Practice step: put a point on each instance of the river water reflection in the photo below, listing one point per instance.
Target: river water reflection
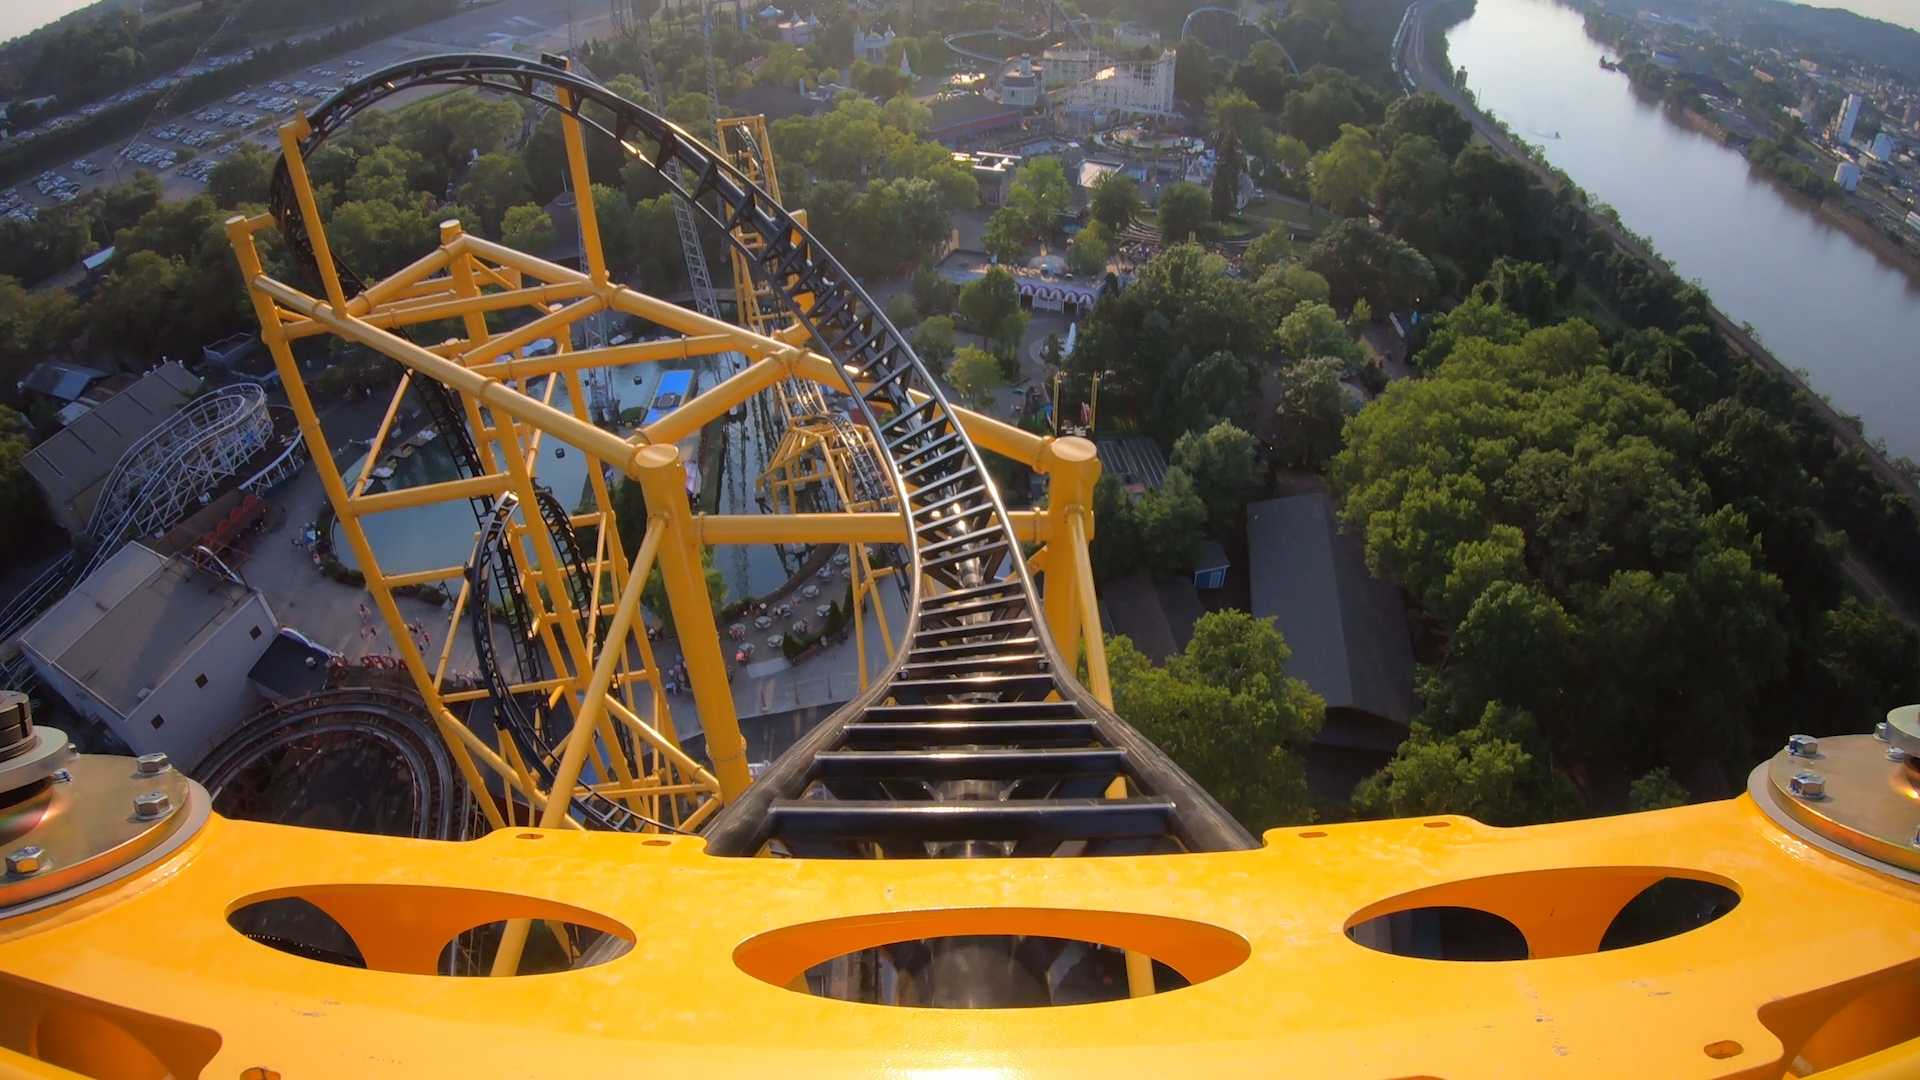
(1818, 299)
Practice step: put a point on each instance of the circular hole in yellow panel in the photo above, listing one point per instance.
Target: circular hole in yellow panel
(990, 958)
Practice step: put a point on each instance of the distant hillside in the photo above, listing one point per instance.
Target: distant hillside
(1775, 23)
(1778, 23)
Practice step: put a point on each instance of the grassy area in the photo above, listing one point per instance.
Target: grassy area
(1285, 212)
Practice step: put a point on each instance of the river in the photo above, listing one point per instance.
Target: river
(1814, 296)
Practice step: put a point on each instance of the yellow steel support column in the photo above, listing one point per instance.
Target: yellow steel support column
(593, 707)
(1072, 468)
(663, 479)
(291, 133)
(319, 449)
(582, 189)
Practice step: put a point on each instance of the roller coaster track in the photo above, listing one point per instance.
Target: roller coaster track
(1186, 29)
(394, 721)
(976, 740)
(156, 482)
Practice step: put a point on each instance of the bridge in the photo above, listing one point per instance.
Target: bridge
(975, 830)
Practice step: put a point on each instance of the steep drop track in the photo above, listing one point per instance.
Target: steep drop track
(977, 740)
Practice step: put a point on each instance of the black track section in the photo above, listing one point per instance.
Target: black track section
(956, 749)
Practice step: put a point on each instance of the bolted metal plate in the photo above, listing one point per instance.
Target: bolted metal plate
(1903, 729)
(1867, 803)
(43, 752)
(86, 826)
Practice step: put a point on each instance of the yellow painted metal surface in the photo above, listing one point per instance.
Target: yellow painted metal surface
(1819, 962)
(1816, 971)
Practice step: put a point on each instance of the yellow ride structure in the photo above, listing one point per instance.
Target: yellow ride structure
(969, 831)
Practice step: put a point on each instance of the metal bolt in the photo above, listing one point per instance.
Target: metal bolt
(1883, 731)
(1896, 755)
(151, 805)
(1808, 785)
(1803, 745)
(28, 860)
(151, 764)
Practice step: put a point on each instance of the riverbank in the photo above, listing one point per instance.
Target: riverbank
(1845, 429)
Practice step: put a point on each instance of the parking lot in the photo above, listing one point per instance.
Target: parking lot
(184, 149)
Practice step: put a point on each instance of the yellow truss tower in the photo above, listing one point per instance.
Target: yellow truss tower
(976, 831)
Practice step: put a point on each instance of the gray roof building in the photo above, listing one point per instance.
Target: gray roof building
(60, 381)
(155, 649)
(1157, 615)
(1347, 628)
(70, 466)
(1135, 461)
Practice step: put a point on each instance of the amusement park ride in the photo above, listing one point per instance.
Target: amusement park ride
(975, 830)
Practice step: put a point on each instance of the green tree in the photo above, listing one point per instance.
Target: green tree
(19, 498)
(1429, 116)
(1311, 410)
(975, 374)
(1313, 329)
(1359, 260)
(1173, 524)
(692, 110)
(1224, 462)
(1317, 115)
(1287, 286)
(1416, 178)
(1184, 211)
(495, 182)
(1225, 710)
(1192, 72)
(933, 339)
(34, 323)
(991, 306)
(1346, 173)
(1091, 249)
(1116, 201)
(527, 228)
(1269, 249)
(908, 115)
(1870, 660)
(614, 213)
(901, 312)
(1656, 790)
(1039, 194)
(1485, 772)
(1005, 237)
(243, 177)
(1231, 111)
(1226, 178)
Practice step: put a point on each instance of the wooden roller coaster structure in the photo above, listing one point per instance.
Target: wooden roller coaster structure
(975, 829)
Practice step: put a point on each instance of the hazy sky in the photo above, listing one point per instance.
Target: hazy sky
(20, 16)
(1902, 12)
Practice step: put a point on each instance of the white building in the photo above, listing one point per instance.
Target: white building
(1842, 130)
(157, 650)
(873, 48)
(1114, 89)
(1882, 147)
(1847, 176)
(1022, 86)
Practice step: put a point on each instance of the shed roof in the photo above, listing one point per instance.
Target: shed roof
(1347, 628)
(131, 622)
(60, 381)
(1133, 460)
(72, 463)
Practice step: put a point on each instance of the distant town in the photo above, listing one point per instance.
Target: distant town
(1824, 100)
